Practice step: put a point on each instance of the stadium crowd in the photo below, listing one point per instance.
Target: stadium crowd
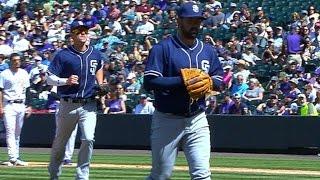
(271, 67)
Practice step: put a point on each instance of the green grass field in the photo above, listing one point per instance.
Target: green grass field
(256, 166)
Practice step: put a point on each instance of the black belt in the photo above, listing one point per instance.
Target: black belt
(18, 101)
(79, 100)
(188, 114)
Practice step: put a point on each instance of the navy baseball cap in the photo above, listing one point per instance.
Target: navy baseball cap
(190, 10)
(77, 24)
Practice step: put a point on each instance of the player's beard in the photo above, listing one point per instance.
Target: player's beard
(191, 33)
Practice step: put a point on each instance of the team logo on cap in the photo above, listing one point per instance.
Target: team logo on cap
(195, 8)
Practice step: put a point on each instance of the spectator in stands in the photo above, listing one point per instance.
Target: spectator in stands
(270, 107)
(212, 4)
(241, 66)
(235, 22)
(259, 16)
(273, 85)
(295, 20)
(245, 14)
(145, 27)
(227, 76)
(218, 17)
(254, 92)
(99, 13)
(92, 22)
(171, 21)
(294, 90)
(5, 49)
(305, 108)
(208, 21)
(249, 56)
(114, 12)
(144, 8)
(238, 107)
(38, 67)
(269, 55)
(129, 13)
(224, 107)
(21, 43)
(144, 106)
(231, 12)
(161, 4)
(115, 105)
(116, 27)
(313, 13)
(132, 86)
(278, 39)
(56, 32)
(304, 18)
(156, 18)
(304, 31)
(294, 42)
(240, 86)
(308, 50)
(212, 107)
(311, 93)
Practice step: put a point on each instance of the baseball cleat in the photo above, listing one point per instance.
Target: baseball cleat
(67, 162)
(18, 162)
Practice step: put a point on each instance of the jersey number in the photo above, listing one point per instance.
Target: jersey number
(93, 66)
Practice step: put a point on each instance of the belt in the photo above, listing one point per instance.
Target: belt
(188, 114)
(18, 101)
(79, 100)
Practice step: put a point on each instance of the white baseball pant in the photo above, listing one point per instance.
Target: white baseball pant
(13, 121)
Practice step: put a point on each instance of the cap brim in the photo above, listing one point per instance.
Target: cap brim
(80, 27)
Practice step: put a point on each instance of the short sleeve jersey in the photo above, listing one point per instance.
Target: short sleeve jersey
(14, 84)
(69, 62)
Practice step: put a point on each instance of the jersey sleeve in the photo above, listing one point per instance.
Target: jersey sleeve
(216, 70)
(101, 61)
(56, 65)
(155, 62)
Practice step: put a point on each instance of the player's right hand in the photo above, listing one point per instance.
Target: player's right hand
(73, 79)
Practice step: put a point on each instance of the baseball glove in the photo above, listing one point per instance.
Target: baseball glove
(197, 82)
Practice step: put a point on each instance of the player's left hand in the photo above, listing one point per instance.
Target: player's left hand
(197, 82)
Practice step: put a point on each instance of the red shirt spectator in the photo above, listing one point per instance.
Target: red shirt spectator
(144, 8)
(114, 12)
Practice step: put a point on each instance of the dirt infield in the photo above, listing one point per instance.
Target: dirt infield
(185, 168)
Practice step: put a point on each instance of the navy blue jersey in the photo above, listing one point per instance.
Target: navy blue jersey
(69, 62)
(162, 73)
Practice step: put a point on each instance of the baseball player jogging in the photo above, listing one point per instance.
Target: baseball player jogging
(75, 70)
(181, 70)
(14, 83)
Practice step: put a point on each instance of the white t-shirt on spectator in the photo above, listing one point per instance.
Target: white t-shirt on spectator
(144, 109)
(21, 45)
(6, 50)
(146, 28)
